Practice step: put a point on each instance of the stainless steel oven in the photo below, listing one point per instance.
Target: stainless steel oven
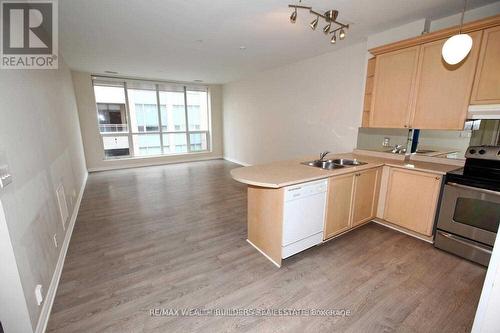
(469, 214)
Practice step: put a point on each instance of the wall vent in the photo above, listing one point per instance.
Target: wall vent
(63, 207)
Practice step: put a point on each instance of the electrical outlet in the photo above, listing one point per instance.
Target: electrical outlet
(39, 294)
(55, 241)
(386, 142)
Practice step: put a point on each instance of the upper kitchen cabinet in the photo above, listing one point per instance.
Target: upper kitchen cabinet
(442, 91)
(395, 74)
(415, 88)
(487, 82)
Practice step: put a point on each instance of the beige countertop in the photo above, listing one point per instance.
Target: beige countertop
(285, 173)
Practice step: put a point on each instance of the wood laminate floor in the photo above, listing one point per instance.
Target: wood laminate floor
(173, 237)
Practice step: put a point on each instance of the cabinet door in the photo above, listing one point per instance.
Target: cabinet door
(443, 91)
(365, 195)
(338, 209)
(412, 199)
(487, 82)
(395, 74)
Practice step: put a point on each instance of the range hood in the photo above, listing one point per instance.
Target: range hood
(487, 111)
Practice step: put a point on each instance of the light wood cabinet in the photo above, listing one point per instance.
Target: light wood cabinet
(352, 200)
(366, 189)
(370, 73)
(394, 84)
(338, 209)
(487, 82)
(443, 91)
(413, 87)
(411, 199)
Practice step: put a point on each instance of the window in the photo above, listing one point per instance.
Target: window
(140, 118)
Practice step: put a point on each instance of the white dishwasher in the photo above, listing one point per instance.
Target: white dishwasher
(304, 216)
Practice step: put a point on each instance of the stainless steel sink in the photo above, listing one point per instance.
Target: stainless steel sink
(347, 162)
(333, 164)
(327, 165)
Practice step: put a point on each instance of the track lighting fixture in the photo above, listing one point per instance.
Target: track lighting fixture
(314, 23)
(341, 34)
(327, 27)
(330, 17)
(293, 17)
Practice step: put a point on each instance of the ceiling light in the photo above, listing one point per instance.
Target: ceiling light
(330, 18)
(457, 47)
(341, 34)
(314, 23)
(293, 17)
(243, 47)
(327, 27)
(334, 38)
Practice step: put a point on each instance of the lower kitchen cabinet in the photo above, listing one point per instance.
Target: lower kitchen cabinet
(352, 200)
(411, 199)
(338, 207)
(366, 189)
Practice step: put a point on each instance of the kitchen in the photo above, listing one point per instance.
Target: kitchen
(440, 183)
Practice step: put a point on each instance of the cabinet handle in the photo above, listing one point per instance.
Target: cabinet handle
(438, 178)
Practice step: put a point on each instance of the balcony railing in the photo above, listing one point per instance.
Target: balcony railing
(113, 128)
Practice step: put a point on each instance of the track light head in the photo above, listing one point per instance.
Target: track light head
(293, 17)
(342, 34)
(327, 27)
(331, 15)
(314, 23)
(334, 38)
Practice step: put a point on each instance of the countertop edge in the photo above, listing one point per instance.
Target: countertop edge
(406, 166)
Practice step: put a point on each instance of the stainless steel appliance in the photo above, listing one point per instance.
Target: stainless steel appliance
(469, 214)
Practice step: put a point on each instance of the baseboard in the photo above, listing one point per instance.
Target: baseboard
(147, 164)
(232, 160)
(51, 292)
(403, 230)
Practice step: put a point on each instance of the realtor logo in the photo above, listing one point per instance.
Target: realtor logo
(29, 34)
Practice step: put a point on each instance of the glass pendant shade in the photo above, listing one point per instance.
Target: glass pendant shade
(456, 48)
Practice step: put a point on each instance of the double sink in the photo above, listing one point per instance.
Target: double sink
(333, 164)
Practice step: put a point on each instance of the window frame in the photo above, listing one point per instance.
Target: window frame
(130, 133)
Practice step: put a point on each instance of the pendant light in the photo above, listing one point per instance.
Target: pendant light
(457, 47)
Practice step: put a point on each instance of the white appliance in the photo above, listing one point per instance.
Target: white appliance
(304, 216)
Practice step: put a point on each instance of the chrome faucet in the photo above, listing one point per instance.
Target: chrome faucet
(323, 155)
(398, 149)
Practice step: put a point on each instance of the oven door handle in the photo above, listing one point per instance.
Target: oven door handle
(463, 241)
(465, 187)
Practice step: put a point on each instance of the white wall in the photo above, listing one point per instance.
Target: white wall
(40, 139)
(14, 313)
(94, 154)
(299, 109)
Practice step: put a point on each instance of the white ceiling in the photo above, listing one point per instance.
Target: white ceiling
(186, 40)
